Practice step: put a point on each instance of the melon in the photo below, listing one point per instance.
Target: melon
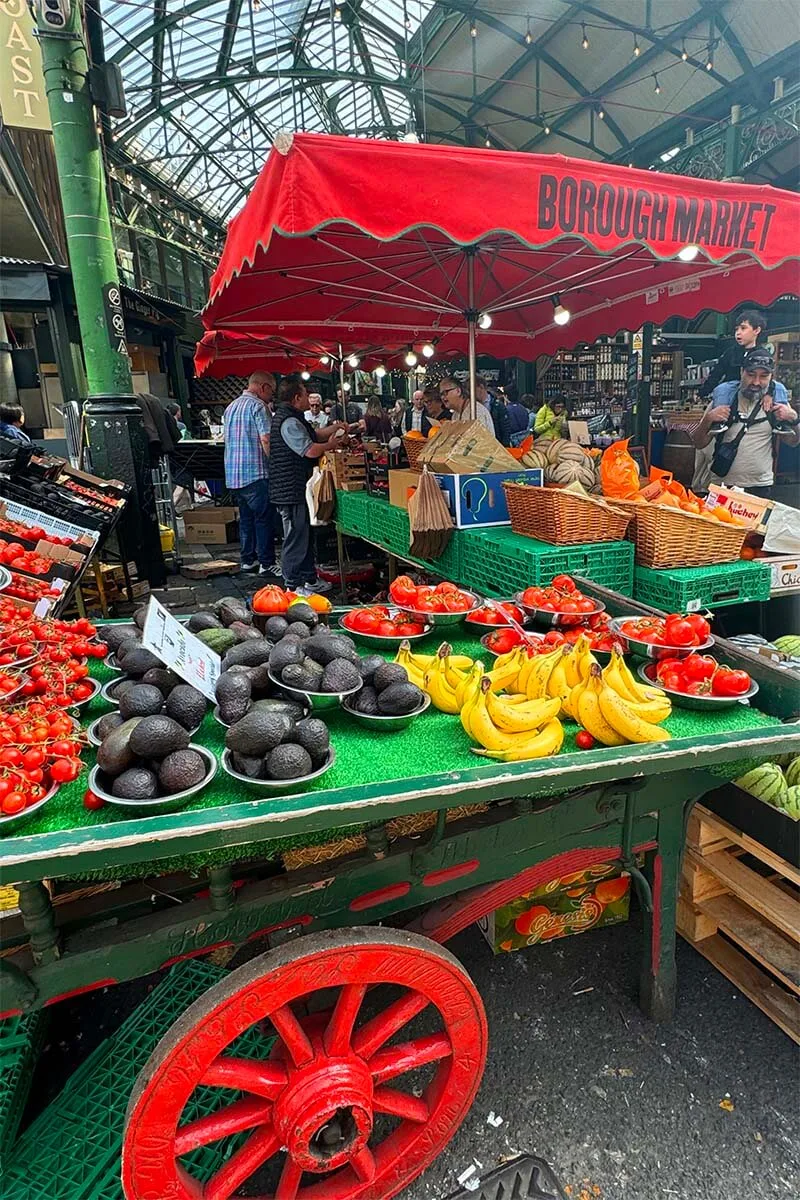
(569, 450)
(792, 773)
(791, 802)
(788, 644)
(553, 450)
(535, 458)
(568, 471)
(765, 783)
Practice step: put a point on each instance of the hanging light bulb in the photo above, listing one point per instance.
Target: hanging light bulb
(337, 14)
(410, 358)
(488, 140)
(380, 371)
(353, 361)
(601, 112)
(689, 253)
(584, 40)
(408, 24)
(528, 34)
(305, 375)
(710, 60)
(325, 359)
(637, 49)
(473, 29)
(347, 387)
(484, 321)
(656, 85)
(684, 53)
(561, 315)
(547, 129)
(428, 350)
(256, 5)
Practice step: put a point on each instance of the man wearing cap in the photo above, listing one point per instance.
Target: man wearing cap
(752, 411)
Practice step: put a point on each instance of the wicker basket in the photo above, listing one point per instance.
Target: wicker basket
(414, 447)
(670, 537)
(563, 518)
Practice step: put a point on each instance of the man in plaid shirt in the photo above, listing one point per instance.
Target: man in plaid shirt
(247, 425)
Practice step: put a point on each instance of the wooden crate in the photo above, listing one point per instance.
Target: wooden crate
(740, 908)
(349, 470)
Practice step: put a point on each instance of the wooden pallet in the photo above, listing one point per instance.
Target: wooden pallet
(740, 908)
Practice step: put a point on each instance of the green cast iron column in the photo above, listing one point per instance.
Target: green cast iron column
(84, 200)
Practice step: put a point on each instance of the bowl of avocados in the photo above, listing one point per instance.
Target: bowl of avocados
(149, 765)
(273, 751)
(159, 691)
(320, 670)
(296, 709)
(388, 700)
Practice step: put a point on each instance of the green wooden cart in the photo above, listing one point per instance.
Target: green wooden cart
(337, 1064)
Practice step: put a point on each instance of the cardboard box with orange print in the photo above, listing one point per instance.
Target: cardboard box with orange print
(563, 907)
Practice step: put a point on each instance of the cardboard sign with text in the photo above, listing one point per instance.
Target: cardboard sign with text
(180, 650)
(464, 448)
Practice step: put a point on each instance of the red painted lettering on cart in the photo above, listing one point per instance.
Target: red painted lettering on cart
(436, 878)
(382, 896)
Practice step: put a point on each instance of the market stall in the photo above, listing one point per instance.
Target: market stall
(447, 817)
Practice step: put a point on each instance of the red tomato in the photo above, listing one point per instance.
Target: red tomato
(64, 770)
(92, 801)
(669, 664)
(485, 616)
(678, 632)
(533, 597)
(695, 687)
(698, 666)
(13, 802)
(408, 628)
(513, 610)
(584, 740)
(404, 591)
(672, 680)
(363, 620)
(500, 641)
(700, 625)
(386, 628)
(554, 638)
(568, 606)
(444, 587)
(726, 682)
(564, 584)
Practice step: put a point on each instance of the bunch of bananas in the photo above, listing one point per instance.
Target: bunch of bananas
(417, 664)
(615, 709)
(510, 728)
(447, 684)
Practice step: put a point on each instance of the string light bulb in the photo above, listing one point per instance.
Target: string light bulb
(547, 129)
(473, 29)
(346, 387)
(488, 140)
(656, 85)
(411, 358)
(584, 40)
(688, 253)
(353, 361)
(710, 60)
(380, 371)
(601, 112)
(561, 315)
(325, 359)
(528, 34)
(305, 376)
(428, 350)
(484, 321)
(337, 14)
(637, 49)
(684, 52)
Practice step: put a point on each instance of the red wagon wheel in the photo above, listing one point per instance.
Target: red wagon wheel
(329, 1112)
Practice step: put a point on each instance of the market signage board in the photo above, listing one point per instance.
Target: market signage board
(180, 650)
(23, 100)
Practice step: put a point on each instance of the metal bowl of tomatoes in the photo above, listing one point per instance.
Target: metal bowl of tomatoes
(383, 627)
(655, 638)
(496, 614)
(705, 685)
(10, 821)
(504, 639)
(572, 610)
(444, 604)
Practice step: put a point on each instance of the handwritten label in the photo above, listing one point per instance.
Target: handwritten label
(180, 650)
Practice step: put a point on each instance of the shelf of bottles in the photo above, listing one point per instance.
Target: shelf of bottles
(591, 378)
(666, 373)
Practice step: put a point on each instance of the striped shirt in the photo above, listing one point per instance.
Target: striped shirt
(245, 421)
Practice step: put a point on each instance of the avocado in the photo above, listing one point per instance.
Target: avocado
(258, 732)
(248, 765)
(247, 654)
(120, 687)
(125, 648)
(314, 669)
(400, 699)
(289, 761)
(137, 783)
(369, 665)
(233, 694)
(366, 701)
(275, 627)
(299, 630)
(298, 677)
(114, 754)
(110, 721)
(142, 700)
(324, 647)
(230, 609)
(186, 705)
(298, 610)
(340, 676)
(138, 660)
(203, 620)
(163, 679)
(290, 708)
(115, 635)
(155, 737)
(286, 653)
(260, 680)
(237, 669)
(181, 770)
(140, 616)
(243, 632)
(312, 734)
(389, 674)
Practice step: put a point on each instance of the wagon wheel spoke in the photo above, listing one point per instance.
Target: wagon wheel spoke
(398, 1104)
(340, 1028)
(245, 1075)
(289, 1181)
(396, 1060)
(364, 1165)
(243, 1114)
(260, 1146)
(385, 1025)
(292, 1035)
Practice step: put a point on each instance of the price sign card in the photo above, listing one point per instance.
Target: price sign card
(180, 650)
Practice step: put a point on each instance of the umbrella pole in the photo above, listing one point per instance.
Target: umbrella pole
(341, 383)
(471, 322)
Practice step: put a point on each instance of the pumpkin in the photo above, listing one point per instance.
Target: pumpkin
(569, 471)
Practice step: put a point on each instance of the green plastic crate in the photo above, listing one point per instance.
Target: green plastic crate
(20, 1040)
(686, 588)
(389, 525)
(353, 513)
(499, 562)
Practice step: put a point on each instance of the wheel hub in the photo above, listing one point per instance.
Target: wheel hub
(324, 1116)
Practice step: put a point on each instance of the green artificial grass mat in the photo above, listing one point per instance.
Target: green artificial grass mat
(434, 743)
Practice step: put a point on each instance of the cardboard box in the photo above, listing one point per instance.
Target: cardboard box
(480, 500)
(402, 484)
(465, 447)
(212, 566)
(750, 511)
(785, 570)
(210, 525)
(563, 907)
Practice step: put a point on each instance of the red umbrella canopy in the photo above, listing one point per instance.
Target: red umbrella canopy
(223, 352)
(347, 239)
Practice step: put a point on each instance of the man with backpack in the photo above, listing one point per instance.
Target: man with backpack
(748, 414)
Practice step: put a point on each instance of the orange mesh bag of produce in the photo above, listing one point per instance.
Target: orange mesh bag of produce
(619, 474)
